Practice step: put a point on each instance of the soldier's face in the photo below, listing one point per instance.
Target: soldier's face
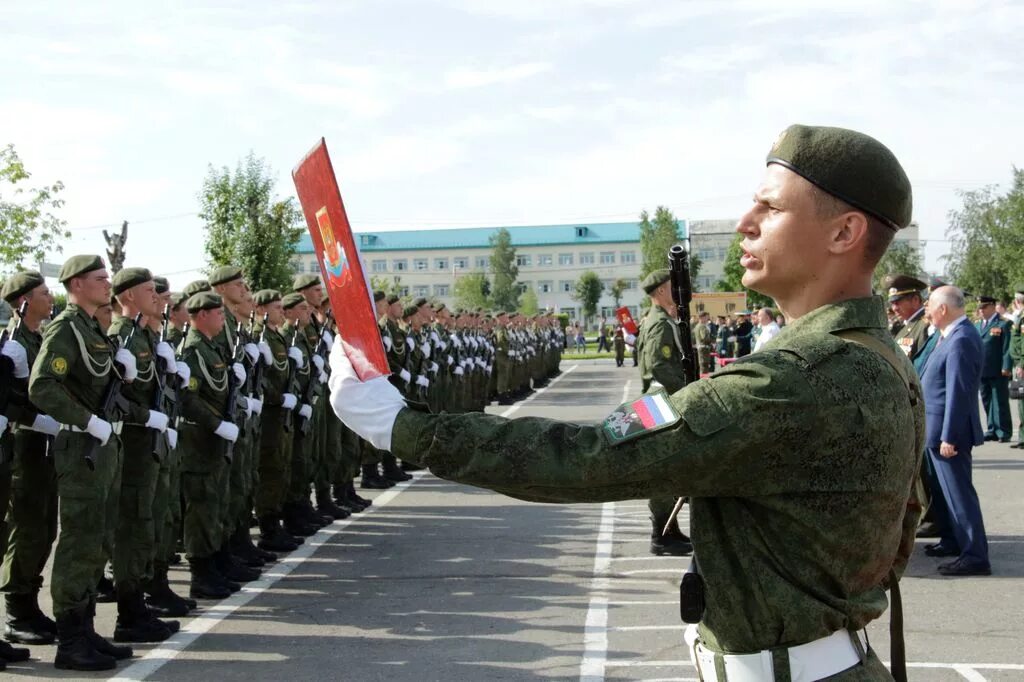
(179, 316)
(40, 303)
(784, 240)
(209, 322)
(93, 288)
(147, 300)
(314, 295)
(906, 306)
(274, 312)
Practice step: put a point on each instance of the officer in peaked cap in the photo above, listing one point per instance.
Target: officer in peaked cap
(996, 368)
(905, 299)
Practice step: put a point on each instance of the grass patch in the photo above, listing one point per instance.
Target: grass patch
(591, 356)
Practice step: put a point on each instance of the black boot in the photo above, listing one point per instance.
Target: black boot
(295, 524)
(372, 479)
(311, 516)
(75, 650)
(273, 537)
(354, 496)
(134, 621)
(326, 506)
(161, 599)
(673, 543)
(100, 644)
(230, 568)
(26, 623)
(344, 499)
(391, 470)
(409, 466)
(242, 547)
(506, 399)
(206, 584)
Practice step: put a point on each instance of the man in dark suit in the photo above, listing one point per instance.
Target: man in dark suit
(953, 427)
(995, 370)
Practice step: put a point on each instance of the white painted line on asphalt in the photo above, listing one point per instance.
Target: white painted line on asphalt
(674, 571)
(212, 615)
(648, 664)
(510, 411)
(642, 628)
(643, 602)
(670, 679)
(970, 674)
(595, 631)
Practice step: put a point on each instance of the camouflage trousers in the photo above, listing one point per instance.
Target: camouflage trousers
(167, 507)
(204, 485)
(275, 463)
(304, 459)
(135, 537)
(31, 514)
(241, 478)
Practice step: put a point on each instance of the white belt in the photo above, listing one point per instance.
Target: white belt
(114, 426)
(807, 662)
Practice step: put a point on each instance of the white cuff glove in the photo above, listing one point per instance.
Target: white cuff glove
(3, 424)
(327, 337)
(425, 348)
(289, 401)
(100, 429)
(367, 407)
(239, 371)
(172, 438)
(227, 431)
(164, 350)
(406, 377)
(423, 381)
(322, 377)
(127, 361)
(253, 351)
(319, 362)
(246, 404)
(43, 423)
(16, 352)
(451, 360)
(459, 371)
(268, 357)
(256, 404)
(388, 343)
(434, 367)
(630, 339)
(296, 355)
(184, 372)
(306, 411)
(157, 420)
(435, 338)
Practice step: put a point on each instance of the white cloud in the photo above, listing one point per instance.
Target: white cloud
(465, 77)
(398, 157)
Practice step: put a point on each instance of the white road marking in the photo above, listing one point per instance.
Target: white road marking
(595, 631)
(515, 408)
(212, 615)
(678, 570)
(644, 602)
(642, 628)
(970, 674)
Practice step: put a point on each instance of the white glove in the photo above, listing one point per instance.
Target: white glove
(256, 404)
(322, 377)
(425, 348)
(435, 338)
(16, 352)
(367, 407)
(423, 381)
(246, 404)
(227, 431)
(306, 411)
(43, 423)
(388, 344)
(184, 372)
(296, 355)
(3, 424)
(127, 361)
(239, 371)
(409, 342)
(319, 362)
(157, 420)
(451, 360)
(406, 377)
(327, 337)
(289, 401)
(164, 350)
(268, 357)
(459, 371)
(434, 367)
(172, 438)
(630, 339)
(100, 429)
(252, 350)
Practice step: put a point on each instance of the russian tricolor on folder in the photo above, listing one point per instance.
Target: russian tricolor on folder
(651, 412)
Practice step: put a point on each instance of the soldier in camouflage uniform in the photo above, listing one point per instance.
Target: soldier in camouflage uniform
(703, 342)
(799, 460)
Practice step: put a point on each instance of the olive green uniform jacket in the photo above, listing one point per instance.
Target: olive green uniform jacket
(661, 356)
(913, 335)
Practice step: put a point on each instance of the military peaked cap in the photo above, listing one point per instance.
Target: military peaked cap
(127, 278)
(225, 274)
(903, 285)
(291, 300)
(76, 266)
(934, 283)
(266, 296)
(204, 300)
(193, 288)
(655, 280)
(850, 166)
(986, 300)
(304, 282)
(19, 284)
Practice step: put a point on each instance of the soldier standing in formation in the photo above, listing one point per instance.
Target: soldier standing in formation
(704, 342)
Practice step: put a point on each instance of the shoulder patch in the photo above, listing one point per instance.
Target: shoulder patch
(650, 413)
(59, 366)
(666, 352)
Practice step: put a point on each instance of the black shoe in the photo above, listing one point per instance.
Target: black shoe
(75, 650)
(230, 568)
(312, 516)
(26, 623)
(409, 466)
(928, 530)
(174, 560)
(134, 621)
(392, 472)
(12, 654)
(939, 550)
(100, 644)
(326, 506)
(991, 436)
(206, 583)
(372, 480)
(162, 600)
(105, 593)
(1019, 446)
(272, 536)
(295, 524)
(355, 497)
(963, 568)
(1004, 440)
(672, 546)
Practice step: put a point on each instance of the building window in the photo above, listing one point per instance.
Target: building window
(607, 258)
(607, 311)
(314, 268)
(403, 292)
(722, 251)
(421, 291)
(440, 263)
(544, 287)
(565, 259)
(706, 254)
(440, 290)
(632, 284)
(571, 312)
(586, 259)
(400, 265)
(524, 260)
(379, 266)
(544, 260)
(461, 263)
(627, 257)
(419, 264)
(565, 285)
(483, 262)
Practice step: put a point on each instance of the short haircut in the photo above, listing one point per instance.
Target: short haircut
(950, 297)
(879, 235)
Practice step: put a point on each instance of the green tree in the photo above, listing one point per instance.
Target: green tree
(618, 288)
(28, 230)
(528, 304)
(247, 226)
(657, 236)
(732, 276)
(588, 293)
(471, 290)
(901, 258)
(504, 271)
(389, 285)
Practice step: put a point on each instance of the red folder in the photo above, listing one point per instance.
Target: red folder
(344, 276)
(626, 320)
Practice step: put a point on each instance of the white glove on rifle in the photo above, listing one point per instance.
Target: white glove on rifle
(246, 404)
(239, 371)
(268, 357)
(253, 351)
(164, 350)
(16, 352)
(322, 377)
(227, 431)
(434, 367)
(327, 337)
(44, 423)
(459, 371)
(289, 401)
(172, 438)
(388, 343)
(100, 429)
(367, 407)
(296, 355)
(425, 349)
(125, 358)
(406, 377)
(451, 360)
(184, 372)
(306, 411)
(256, 404)
(422, 381)
(157, 421)
(319, 362)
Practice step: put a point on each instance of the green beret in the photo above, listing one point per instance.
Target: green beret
(379, 296)
(177, 298)
(77, 266)
(513, 315)
(291, 300)
(266, 296)
(193, 288)
(903, 285)
(162, 285)
(225, 274)
(419, 302)
(409, 311)
(438, 307)
(850, 166)
(392, 299)
(304, 282)
(655, 280)
(19, 284)
(204, 300)
(127, 278)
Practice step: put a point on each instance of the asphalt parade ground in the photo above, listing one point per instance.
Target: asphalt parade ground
(440, 581)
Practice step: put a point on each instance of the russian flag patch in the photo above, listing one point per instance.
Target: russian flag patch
(649, 413)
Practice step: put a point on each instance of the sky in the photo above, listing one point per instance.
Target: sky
(457, 113)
